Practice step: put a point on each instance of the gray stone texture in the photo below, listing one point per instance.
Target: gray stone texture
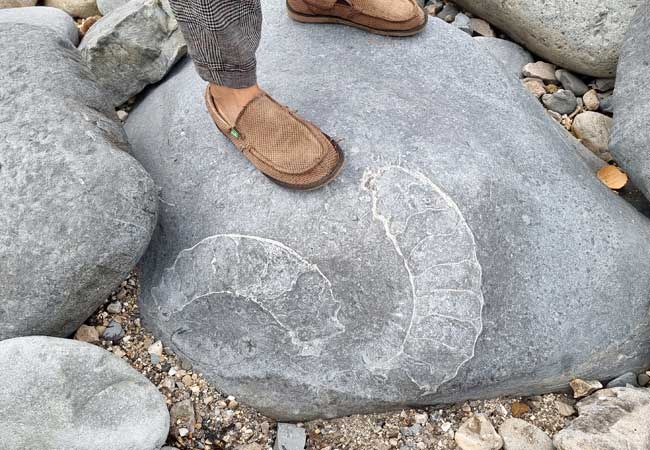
(63, 394)
(106, 6)
(625, 379)
(133, 46)
(76, 210)
(76, 8)
(617, 418)
(582, 35)
(289, 437)
(630, 139)
(43, 16)
(571, 82)
(518, 434)
(446, 262)
(511, 55)
(562, 101)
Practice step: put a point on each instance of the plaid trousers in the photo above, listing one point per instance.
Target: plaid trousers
(222, 38)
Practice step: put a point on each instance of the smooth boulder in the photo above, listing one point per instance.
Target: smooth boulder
(584, 36)
(17, 3)
(64, 394)
(456, 256)
(133, 46)
(630, 139)
(44, 16)
(76, 210)
(76, 8)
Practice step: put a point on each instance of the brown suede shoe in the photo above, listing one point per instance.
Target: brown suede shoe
(387, 17)
(289, 150)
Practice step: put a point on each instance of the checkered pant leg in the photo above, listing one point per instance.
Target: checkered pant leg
(222, 37)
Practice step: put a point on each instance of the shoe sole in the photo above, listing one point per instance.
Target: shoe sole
(303, 18)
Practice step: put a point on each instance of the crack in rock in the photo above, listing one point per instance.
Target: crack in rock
(438, 250)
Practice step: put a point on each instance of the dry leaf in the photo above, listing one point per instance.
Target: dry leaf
(612, 177)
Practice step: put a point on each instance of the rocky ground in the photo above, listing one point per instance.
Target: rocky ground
(204, 418)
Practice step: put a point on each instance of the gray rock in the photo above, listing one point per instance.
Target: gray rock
(478, 433)
(535, 86)
(463, 23)
(625, 379)
(583, 36)
(562, 102)
(113, 332)
(617, 418)
(482, 28)
(77, 211)
(607, 104)
(76, 8)
(290, 437)
(630, 140)
(43, 16)
(448, 12)
(132, 47)
(593, 129)
(368, 294)
(607, 84)
(643, 379)
(518, 434)
(17, 3)
(114, 308)
(65, 394)
(511, 55)
(540, 69)
(571, 82)
(106, 6)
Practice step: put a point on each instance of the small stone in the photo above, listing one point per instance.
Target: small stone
(535, 86)
(434, 7)
(606, 103)
(114, 308)
(622, 381)
(478, 433)
(590, 100)
(446, 426)
(448, 12)
(643, 379)
(562, 102)
(604, 84)
(518, 409)
(87, 333)
(182, 416)
(122, 115)
(187, 380)
(155, 349)
(593, 129)
(463, 23)
(421, 418)
(552, 88)
(540, 69)
(582, 388)
(289, 437)
(481, 27)
(571, 82)
(252, 446)
(182, 432)
(114, 332)
(518, 434)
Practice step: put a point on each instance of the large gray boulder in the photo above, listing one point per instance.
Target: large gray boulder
(76, 210)
(630, 139)
(582, 35)
(64, 394)
(43, 16)
(456, 256)
(512, 56)
(133, 46)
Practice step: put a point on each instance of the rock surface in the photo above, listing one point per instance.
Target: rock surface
(518, 434)
(43, 16)
(435, 267)
(617, 418)
(593, 129)
(630, 141)
(16, 3)
(76, 8)
(478, 433)
(132, 47)
(571, 82)
(511, 55)
(65, 394)
(584, 36)
(76, 210)
(106, 6)
(289, 437)
(562, 101)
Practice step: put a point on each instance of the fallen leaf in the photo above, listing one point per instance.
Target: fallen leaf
(612, 177)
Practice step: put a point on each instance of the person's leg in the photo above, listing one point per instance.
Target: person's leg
(222, 38)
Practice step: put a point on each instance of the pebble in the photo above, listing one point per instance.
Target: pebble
(478, 433)
(482, 28)
(182, 417)
(87, 333)
(562, 102)
(564, 408)
(582, 388)
(593, 130)
(625, 379)
(289, 437)
(571, 82)
(643, 379)
(114, 308)
(113, 332)
(421, 418)
(155, 349)
(535, 86)
(606, 102)
(590, 100)
(604, 84)
(448, 13)
(540, 69)
(463, 23)
(122, 115)
(518, 434)
(434, 7)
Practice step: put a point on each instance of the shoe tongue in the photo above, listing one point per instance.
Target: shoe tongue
(280, 139)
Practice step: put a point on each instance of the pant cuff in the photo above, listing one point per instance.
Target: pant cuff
(231, 79)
